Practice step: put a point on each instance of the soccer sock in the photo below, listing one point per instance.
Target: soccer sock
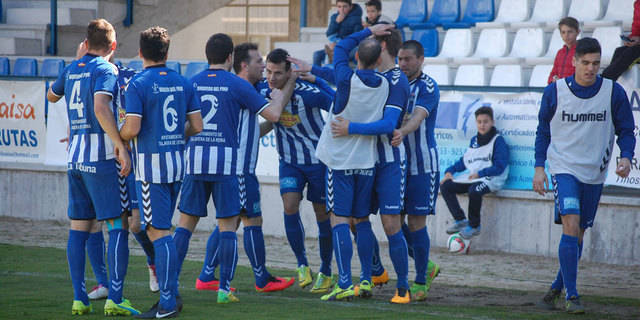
(376, 269)
(568, 256)
(211, 257)
(558, 284)
(181, 238)
(326, 246)
(254, 247)
(228, 260)
(118, 262)
(399, 258)
(76, 258)
(96, 251)
(365, 249)
(421, 244)
(343, 249)
(146, 244)
(407, 236)
(166, 269)
(295, 235)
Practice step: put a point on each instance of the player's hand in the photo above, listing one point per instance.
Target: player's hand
(276, 94)
(306, 76)
(66, 141)
(381, 29)
(624, 168)
(447, 176)
(340, 127)
(474, 176)
(397, 137)
(540, 181)
(302, 66)
(122, 156)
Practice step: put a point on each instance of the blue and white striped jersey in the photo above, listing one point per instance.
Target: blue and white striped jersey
(162, 98)
(398, 97)
(225, 145)
(301, 122)
(79, 82)
(421, 144)
(125, 75)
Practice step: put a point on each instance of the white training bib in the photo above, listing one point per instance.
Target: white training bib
(478, 158)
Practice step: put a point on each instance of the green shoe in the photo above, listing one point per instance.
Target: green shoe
(227, 297)
(418, 291)
(364, 289)
(339, 294)
(304, 276)
(550, 299)
(79, 308)
(323, 284)
(574, 306)
(433, 270)
(123, 308)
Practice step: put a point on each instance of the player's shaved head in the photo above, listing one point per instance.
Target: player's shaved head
(241, 54)
(219, 48)
(393, 41)
(154, 44)
(368, 53)
(100, 35)
(279, 56)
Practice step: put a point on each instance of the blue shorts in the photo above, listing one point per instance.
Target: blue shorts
(251, 206)
(293, 178)
(389, 187)
(574, 197)
(349, 192)
(93, 191)
(421, 194)
(128, 194)
(225, 191)
(157, 203)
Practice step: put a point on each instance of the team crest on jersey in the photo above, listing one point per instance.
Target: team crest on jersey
(162, 73)
(81, 64)
(155, 88)
(288, 119)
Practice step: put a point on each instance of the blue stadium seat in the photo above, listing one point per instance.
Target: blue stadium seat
(51, 67)
(25, 67)
(429, 40)
(412, 12)
(476, 11)
(194, 68)
(135, 64)
(443, 11)
(174, 65)
(4, 66)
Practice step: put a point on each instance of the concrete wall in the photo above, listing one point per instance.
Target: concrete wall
(512, 221)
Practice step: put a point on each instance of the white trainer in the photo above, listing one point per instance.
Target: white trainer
(153, 279)
(98, 292)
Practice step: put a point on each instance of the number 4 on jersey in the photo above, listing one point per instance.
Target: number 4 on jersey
(75, 103)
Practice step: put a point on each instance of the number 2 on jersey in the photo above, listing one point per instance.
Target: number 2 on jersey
(75, 103)
(212, 112)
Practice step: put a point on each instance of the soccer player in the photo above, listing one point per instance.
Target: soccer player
(162, 111)
(579, 108)
(350, 160)
(417, 135)
(96, 155)
(225, 164)
(297, 135)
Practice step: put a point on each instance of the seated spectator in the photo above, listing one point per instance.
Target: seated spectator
(374, 14)
(346, 21)
(486, 161)
(563, 65)
(629, 54)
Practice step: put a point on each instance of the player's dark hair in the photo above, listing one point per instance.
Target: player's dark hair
(100, 34)
(374, 3)
(154, 44)
(393, 41)
(345, 1)
(587, 45)
(414, 45)
(218, 48)
(484, 110)
(241, 54)
(570, 22)
(279, 56)
(369, 52)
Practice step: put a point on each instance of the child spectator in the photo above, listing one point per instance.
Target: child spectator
(562, 65)
(374, 14)
(346, 21)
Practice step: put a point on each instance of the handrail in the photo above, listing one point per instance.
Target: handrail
(128, 20)
(53, 44)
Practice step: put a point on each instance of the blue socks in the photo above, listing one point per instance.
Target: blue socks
(166, 270)
(228, 258)
(568, 255)
(181, 238)
(118, 262)
(407, 236)
(96, 251)
(295, 235)
(421, 245)
(399, 258)
(211, 258)
(326, 246)
(343, 249)
(365, 240)
(76, 258)
(376, 269)
(254, 247)
(558, 284)
(146, 245)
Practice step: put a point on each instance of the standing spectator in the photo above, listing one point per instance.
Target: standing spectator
(374, 14)
(562, 65)
(627, 55)
(346, 21)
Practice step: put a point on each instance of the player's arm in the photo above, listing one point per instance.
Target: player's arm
(341, 127)
(279, 99)
(500, 159)
(411, 125)
(133, 120)
(624, 126)
(543, 138)
(56, 91)
(104, 114)
(458, 166)
(194, 123)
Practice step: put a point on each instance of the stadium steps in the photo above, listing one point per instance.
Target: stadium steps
(20, 46)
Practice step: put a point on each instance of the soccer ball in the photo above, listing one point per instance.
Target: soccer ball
(457, 244)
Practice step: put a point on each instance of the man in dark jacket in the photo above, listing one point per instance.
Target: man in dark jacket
(346, 21)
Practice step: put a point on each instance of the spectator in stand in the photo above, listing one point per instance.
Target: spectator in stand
(629, 54)
(562, 65)
(346, 21)
(374, 14)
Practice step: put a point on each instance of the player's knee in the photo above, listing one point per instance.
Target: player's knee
(252, 221)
